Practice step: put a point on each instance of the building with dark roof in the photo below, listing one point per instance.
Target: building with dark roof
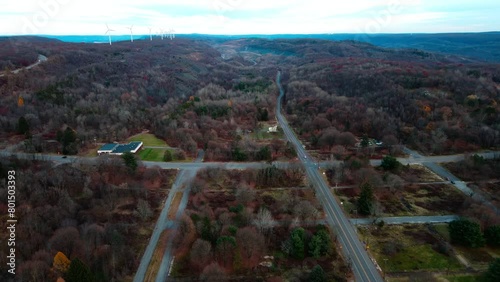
(119, 149)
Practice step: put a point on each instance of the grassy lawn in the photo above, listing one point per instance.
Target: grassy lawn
(261, 133)
(479, 258)
(406, 248)
(148, 139)
(419, 257)
(154, 155)
(442, 229)
(461, 278)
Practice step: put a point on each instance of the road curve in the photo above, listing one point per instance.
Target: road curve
(363, 267)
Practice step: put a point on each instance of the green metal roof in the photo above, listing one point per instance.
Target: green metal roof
(122, 148)
(108, 147)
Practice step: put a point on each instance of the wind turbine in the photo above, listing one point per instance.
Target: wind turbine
(108, 32)
(131, 37)
(171, 33)
(150, 36)
(161, 33)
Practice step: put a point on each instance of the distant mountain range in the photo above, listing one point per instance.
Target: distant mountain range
(482, 46)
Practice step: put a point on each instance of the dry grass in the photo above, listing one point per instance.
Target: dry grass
(174, 206)
(419, 173)
(157, 257)
(416, 252)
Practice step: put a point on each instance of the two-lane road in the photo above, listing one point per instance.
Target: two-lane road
(364, 269)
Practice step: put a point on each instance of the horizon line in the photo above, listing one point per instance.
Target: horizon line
(260, 34)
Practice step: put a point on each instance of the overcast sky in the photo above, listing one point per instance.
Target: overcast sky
(75, 17)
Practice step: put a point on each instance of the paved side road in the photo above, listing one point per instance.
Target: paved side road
(162, 222)
(166, 261)
(431, 164)
(41, 58)
(405, 219)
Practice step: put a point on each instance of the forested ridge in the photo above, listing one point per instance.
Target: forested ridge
(185, 92)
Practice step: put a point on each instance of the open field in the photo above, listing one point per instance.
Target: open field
(154, 155)
(411, 200)
(461, 278)
(406, 248)
(148, 140)
(261, 132)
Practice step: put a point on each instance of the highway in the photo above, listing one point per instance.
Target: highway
(353, 249)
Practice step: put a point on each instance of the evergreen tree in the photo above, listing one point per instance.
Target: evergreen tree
(317, 274)
(493, 273)
(78, 272)
(23, 126)
(68, 139)
(492, 235)
(264, 154)
(297, 243)
(365, 141)
(390, 163)
(167, 157)
(130, 161)
(365, 200)
(315, 247)
(319, 244)
(466, 232)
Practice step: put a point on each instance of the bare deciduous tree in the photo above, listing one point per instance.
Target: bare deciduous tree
(264, 221)
(200, 253)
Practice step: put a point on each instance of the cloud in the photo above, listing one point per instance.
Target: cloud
(247, 16)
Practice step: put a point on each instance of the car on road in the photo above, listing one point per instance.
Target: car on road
(64, 157)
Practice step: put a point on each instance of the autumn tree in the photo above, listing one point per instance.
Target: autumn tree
(201, 253)
(305, 210)
(225, 246)
(34, 270)
(143, 209)
(250, 243)
(61, 263)
(394, 182)
(65, 240)
(244, 194)
(213, 273)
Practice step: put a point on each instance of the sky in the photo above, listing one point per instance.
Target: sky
(90, 17)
